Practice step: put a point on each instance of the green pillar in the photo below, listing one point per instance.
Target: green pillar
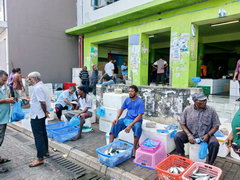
(90, 54)
(183, 54)
(138, 52)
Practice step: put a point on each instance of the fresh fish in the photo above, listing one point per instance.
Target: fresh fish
(196, 175)
(176, 170)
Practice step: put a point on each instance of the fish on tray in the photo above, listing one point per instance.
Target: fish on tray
(113, 151)
(196, 175)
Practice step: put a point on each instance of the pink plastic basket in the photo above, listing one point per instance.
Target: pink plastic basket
(150, 149)
(203, 168)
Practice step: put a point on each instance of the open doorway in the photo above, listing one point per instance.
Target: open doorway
(116, 50)
(159, 58)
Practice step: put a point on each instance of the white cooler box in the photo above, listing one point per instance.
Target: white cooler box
(164, 137)
(104, 125)
(111, 114)
(194, 153)
(113, 100)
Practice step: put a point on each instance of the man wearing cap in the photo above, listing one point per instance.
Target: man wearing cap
(198, 121)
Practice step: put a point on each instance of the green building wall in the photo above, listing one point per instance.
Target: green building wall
(184, 43)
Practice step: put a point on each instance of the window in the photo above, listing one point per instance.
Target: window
(2, 10)
(101, 3)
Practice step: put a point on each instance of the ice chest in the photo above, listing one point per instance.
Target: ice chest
(168, 142)
(114, 160)
(113, 100)
(111, 114)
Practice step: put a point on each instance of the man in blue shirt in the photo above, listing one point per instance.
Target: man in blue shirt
(4, 113)
(133, 120)
(64, 100)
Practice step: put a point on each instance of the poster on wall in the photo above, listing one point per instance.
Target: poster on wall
(183, 42)
(134, 39)
(134, 57)
(175, 50)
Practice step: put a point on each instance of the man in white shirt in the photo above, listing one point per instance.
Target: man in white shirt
(64, 100)
(39, 111)
(85, 106)
(109, 70)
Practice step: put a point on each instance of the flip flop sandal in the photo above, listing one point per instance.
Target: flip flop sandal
(3, 170)
(36, 163)
(4, 160)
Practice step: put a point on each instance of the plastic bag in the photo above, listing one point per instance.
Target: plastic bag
(17, 113)
(203, 150)
(101, 111)
(74, 121)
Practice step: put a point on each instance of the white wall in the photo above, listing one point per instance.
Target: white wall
(87, 14)
(3, 51)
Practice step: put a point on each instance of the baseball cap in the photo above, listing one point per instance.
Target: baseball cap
(199, 97)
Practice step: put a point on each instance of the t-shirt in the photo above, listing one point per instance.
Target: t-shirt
(236, 123)
(85, 103)
(124, 70)
(134, 107)
(160, 65)
(109, 67)
(39, 94)
(4, 108)
(66, 95)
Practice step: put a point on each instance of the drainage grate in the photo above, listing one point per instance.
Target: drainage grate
(76, 171)
(70, 167)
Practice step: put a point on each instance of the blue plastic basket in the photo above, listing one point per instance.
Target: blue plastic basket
(113, 161)
(54, 126)
(65, 134)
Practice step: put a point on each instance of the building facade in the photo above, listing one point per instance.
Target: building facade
(186, 33)
(32, 37)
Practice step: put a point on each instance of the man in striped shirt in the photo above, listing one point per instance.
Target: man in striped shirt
(84, 76)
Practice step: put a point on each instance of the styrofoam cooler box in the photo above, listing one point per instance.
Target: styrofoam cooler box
(164, 137)
(234, 92)
(113, 100)
(193, 153)
(77, 81)
(128, 137)
(234, 84)
(111, 114)
(76, 71)
(223, 149)
(105, 126)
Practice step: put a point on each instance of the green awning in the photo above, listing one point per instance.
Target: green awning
(154, 7)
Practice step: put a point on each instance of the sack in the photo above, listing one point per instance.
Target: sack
(203, 150)
(17, 113)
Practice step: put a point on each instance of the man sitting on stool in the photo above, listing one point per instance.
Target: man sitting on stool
(133, 120)
(198, 121)
(65, 99)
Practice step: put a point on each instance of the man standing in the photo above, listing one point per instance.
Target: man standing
(64, 100)
(124, 69)
(17, 83)
(39, 111)
(94, 78)
(133, 120)
(237, 75)
(198, 121)
(10, 82)
(84, 76)
(4, 113)
(160, 65)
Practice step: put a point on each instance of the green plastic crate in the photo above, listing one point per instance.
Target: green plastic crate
(206, 89)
